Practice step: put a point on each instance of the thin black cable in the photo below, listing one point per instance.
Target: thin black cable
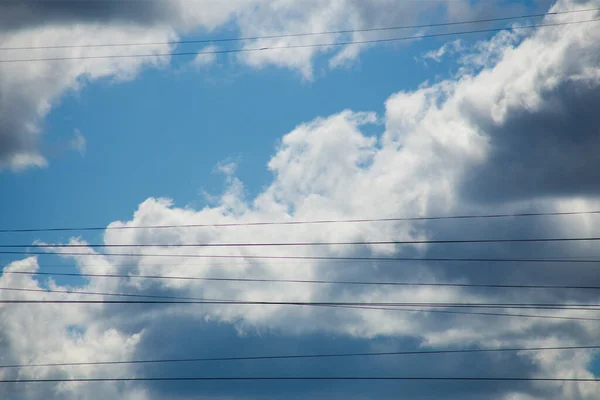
(307, 222)
(300, 281)
(293, 263)
(315, 258)
(26, 290)
(539, 306)
(335, 44)
(532, 306)
(301, 356)
(247, 38)
(302, 378)
(303, 244)
(487, 314)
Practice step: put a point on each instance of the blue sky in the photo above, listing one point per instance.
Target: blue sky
(493, 123)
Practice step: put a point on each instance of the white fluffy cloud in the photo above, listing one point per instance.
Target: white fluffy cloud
(50, 334)
(443, 150)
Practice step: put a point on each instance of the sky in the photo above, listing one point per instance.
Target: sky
(471, 124)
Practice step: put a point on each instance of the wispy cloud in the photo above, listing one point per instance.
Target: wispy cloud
(78, 142)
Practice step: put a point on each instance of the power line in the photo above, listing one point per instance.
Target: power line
(301, 356)
(295, 281)
(303, 378)
(540, 306)
(26, 290)
(531, 306)
(307, 222)
(301, 34)
(303, 244)
(239, 260)
(488, 314)
(316, 258)
(317, 45)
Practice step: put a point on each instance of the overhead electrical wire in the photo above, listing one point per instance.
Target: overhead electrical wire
(537, 306)
(300, 378)
(307, 222)
(90, 293)
(303, 244)
(239, 262)
(304, 356)
(471, 313)
(315, 258)
(316, 45)
(294, 281)
(301, 34)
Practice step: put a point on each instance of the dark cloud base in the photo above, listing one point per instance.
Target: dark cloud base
(550, 152)
(181, 337)
(26, 14)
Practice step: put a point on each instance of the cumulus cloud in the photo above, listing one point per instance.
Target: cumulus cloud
(55, 334)
(445, 148)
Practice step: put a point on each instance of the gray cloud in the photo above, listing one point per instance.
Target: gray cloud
(549, 151)
(18, 139)
(17, 15)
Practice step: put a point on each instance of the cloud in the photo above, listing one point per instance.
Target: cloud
(227, 167)
(48, 336)
(33, 14)
(289, 17)
(78, 142)
(447, 49)
(442, 151)
(205, 57)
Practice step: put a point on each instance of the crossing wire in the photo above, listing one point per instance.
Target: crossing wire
(315, 258)
(488, 314)
(304, 356)
(540, 306)
(301, 378)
